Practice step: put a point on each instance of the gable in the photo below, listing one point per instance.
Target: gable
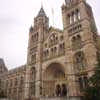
(54, 35)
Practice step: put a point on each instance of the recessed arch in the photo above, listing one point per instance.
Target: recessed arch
(53, 75)
(54, 70)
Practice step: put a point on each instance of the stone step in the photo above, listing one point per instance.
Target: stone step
(54, 98)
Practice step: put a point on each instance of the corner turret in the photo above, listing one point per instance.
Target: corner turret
(2, 66)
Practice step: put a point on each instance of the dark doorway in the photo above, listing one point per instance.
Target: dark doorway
(64, 90)
(58, 90)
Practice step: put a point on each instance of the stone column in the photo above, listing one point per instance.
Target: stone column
(39, 64)
(27, 82)
(73, 87)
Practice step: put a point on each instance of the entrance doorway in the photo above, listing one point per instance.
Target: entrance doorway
(53, 81)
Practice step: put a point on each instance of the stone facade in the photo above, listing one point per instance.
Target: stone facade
(62, 59)
(59, 62)
(13, 83)
(3, 70)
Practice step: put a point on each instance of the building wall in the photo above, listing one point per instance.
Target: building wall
(56, 57)
(98, 42)
(14, 83)
(3, 69)
(74, 51)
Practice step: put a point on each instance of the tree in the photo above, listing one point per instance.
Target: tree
(92, 91)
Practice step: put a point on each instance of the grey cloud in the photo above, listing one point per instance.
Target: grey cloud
(9, 20)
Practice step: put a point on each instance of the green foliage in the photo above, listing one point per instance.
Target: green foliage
(92, 92)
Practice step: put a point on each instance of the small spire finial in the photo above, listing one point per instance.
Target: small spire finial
(41, 12)
(64, 2)
(53, 15)
(41, 4)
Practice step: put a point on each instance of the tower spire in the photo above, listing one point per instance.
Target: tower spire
(41, 12)
(53, 15)
(41, 4)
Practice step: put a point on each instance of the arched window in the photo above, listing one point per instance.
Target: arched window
(32, 83)
(61, 37)
(62, 48)
(21, 83)
(75, 17)
(16, 81)
(33, 58)
(82, 82)
(46, 54)
(78, 14)
(80, 61)
(76, 42)
(33, 73)
(22, 80)
(52, 51)
(34, 37)
(53, 39)
(55, 49)
(70, 19)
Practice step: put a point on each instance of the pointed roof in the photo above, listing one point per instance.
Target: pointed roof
(1, 61)
(41, 12)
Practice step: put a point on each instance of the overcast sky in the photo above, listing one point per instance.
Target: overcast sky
(16, 17)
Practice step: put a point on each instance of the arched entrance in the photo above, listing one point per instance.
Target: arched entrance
(54, 81)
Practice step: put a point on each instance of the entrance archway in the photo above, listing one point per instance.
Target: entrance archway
(54, 81)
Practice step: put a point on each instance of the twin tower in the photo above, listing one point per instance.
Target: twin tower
(60, 61)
